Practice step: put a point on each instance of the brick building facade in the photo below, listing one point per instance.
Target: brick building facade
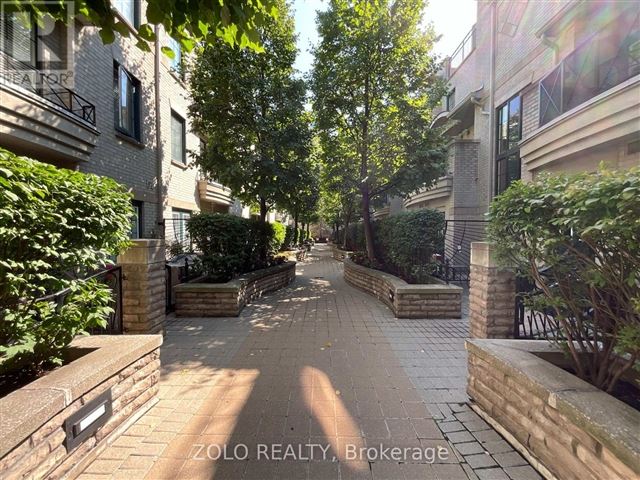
(537, 87)
(142, 138)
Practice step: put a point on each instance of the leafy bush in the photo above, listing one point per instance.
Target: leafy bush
(224, 241)
(56, 226)
(578, 238)
(279, 233)
(233, 245)
(289, 237)
(406, 243)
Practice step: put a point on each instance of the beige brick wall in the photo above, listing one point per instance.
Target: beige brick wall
(228, 299)
(403, 300)
(526, 409)
(43, 454)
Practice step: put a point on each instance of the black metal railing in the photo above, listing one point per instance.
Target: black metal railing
(454, 259)
(111, 277)
(180, 269)
(463, 50)
(531, 322)
(604, 60)
(44, 85)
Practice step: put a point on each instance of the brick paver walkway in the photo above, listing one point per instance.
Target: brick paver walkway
(316, 381)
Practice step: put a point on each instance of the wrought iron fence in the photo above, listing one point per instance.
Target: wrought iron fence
(453, 262)
(46, 87)
(112, 277)
(530, 322)
(180, 269)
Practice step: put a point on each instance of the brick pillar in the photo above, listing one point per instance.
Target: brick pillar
(492, 293)
(143, 287)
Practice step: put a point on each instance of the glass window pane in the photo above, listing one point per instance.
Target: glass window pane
(514, 122)
(513, 168)
(127, 10)
(177, 51)
(177, 139)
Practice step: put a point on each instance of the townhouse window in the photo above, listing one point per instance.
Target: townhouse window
(508, 134)
(450, 100)
(176, 61)
(178, 139)
(136, 220)
(606, 59)
(129, 10)
(179, 220)
(127, 102)
(18, 40)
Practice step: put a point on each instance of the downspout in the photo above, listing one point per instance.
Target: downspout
(159, 148)
(492, 107)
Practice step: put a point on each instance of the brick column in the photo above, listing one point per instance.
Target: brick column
(492, 293)
(143, 287)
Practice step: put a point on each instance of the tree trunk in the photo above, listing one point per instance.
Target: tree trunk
(263, 210)
(366, 220)
(308, 229)
(296, 240)
(347, 221)
(364, 175)
(264, 249)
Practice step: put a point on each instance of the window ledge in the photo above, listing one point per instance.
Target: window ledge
(180, 165)
(128, 139)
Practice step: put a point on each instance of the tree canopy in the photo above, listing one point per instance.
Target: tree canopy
(374, 85)
(249, 109)
(191, 22)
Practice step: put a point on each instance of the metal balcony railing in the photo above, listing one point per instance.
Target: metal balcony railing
(46, 87)
(604, 60)
(463, 50)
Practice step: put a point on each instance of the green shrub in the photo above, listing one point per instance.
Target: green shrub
(406, 242)
(56, 226)
(289, 237)
(578, 238)
(279, 233)
(225, 241)
(233, 245)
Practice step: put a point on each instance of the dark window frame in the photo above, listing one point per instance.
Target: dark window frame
(139, 204)
(502, 157)
(136, 14)
(175, 115)
(136, 129)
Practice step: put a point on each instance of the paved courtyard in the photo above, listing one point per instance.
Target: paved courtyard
(316, 381)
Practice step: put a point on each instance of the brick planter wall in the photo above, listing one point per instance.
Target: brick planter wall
(31, 418)
(571, 428)
(437, 300)
(339, 254)
(228, 299)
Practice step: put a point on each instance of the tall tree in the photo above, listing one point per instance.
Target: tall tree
(249, 109)
(236, 22)
(374, 84)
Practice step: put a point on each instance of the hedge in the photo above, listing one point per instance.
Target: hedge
(56, 227)
(405, 243)
(232, 245)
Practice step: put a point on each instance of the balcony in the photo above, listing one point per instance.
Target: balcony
(463, 50)
(382, 212)
(606, 59)
(214, 192)
(442, 189)
(43, 119)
